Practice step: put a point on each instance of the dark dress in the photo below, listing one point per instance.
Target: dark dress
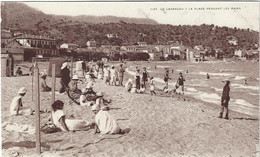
(225, 96)
(65, 79)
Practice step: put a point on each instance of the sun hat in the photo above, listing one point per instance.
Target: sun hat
(95, 107)
(99, 94)
(64, 65)
(75, 77)
(22, 90)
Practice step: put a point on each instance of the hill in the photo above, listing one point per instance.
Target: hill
(79, 29)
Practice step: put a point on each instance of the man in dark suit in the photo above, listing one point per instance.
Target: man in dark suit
(225, 99)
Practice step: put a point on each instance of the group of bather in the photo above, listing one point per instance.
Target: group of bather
(103, 123)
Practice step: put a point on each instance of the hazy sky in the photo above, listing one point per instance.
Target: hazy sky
(246, 15)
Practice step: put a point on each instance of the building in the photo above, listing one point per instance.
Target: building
(91, 43)
(141, 43)
(232, 40)
(6, 34)
(239, 53)
(69, 46)
(37, 45)
(109, 36)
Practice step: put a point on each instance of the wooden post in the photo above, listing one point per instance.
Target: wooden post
(32, 79)
(72, 67)
(37, 109)
(53, 84)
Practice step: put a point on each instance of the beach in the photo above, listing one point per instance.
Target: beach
(162, 125)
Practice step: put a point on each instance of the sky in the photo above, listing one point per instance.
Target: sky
(231, 14)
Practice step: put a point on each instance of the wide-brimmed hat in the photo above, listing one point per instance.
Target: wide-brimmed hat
(226, 80)
(95, 107)
(75, 77)
(64, 65)
(99, 94)
(22, 90)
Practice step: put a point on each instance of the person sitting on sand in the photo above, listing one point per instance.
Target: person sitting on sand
(129, 85)
(142, 89)
(74, 84)
(133, 89)
(101, 101)
(225, 99)
(105, 123)
(58, 119)
(19, 72)
(44, 86)
(152, 87)
(16, 107)
(83, 99)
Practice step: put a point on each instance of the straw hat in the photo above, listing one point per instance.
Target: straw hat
(22, 90)
(64, 65)
(99, 94)
(75, 77)
(95, 107)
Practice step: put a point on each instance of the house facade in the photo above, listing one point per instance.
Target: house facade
(37, 45)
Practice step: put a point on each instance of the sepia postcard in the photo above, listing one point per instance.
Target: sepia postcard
(129, 79)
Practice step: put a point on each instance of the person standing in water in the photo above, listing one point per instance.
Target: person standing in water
(225, 99)
(208, 76)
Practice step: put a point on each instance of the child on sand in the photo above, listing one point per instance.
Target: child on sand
(133, 89)
(83, 99)
(44, 86)
(16, 107)
(129, 85)
(74, 84)
(105, 123)
(19, 72)
(100, 101)
(152, 87)
(142, 89)
(58, 119)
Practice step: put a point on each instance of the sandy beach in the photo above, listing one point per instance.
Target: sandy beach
(166, 125)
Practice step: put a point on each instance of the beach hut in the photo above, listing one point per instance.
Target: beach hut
(58, 63)
(79, 70)
(6, 65)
